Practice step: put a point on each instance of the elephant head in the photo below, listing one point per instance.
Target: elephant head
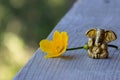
(100, 36)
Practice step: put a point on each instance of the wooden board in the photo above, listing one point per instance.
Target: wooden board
(76, 65)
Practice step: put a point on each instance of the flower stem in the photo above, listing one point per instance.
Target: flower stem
(74, 48)
(113, 46)
(86, 47)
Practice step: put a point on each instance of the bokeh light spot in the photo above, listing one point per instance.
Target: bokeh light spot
(55, 3)
(17, 3)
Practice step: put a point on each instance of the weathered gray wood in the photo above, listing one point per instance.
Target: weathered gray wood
(76, 65)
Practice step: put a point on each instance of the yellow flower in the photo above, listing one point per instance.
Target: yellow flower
(55, 47)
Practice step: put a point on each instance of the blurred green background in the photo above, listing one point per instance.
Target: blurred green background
(23, 23)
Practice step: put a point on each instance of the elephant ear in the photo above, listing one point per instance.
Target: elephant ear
(91, 33)
(110, 36)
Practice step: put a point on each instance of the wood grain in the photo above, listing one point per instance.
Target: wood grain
(76, 65)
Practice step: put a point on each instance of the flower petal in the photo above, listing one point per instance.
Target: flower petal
(64, 38)
(57, 36)
(46, 45)
(51, 56)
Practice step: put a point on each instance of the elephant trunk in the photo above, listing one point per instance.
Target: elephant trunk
(99, 37)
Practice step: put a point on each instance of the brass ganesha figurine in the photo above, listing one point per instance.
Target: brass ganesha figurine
(98, 40)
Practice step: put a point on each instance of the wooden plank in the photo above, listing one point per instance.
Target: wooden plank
(76, 65)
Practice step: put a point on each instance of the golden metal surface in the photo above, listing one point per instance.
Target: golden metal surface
(98, 40)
